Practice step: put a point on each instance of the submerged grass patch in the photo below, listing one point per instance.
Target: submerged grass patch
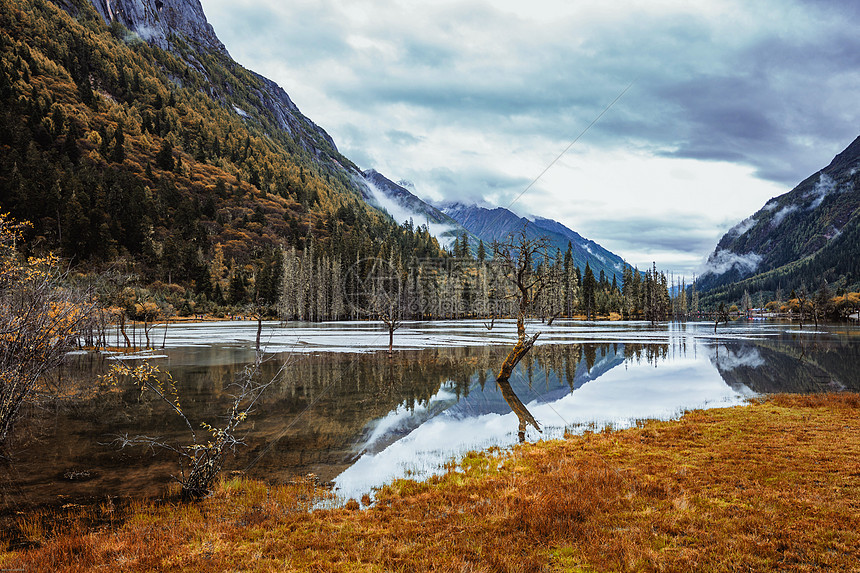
(771, 486)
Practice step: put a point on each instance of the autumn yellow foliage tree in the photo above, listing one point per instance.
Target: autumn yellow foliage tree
(40, 320)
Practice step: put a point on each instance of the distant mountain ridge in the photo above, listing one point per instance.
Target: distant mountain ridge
(808, 235)
(496, 224)
(450, 220)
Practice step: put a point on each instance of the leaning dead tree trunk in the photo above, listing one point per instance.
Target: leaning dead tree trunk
(517, 259)
(552, 317)
(520, 349)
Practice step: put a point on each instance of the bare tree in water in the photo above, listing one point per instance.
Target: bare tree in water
(376, 289)
(518, 257)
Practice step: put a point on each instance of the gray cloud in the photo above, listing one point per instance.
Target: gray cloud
(475, 184)
(769, 85)
(694, 98)
(398, 137)
(658, 234)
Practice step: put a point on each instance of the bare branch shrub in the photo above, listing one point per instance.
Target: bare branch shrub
(201, 461)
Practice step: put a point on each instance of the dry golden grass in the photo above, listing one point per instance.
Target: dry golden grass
(770, 487)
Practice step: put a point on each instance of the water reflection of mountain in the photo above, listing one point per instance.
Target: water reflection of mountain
(790, 363)
(543, 380)
(548, 374)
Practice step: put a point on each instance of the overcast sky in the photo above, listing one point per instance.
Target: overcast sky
(731, 103)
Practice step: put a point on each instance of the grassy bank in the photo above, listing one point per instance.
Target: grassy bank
(770, 487)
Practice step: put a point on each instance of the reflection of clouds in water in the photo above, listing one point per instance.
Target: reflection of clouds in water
(426, 449)
(731, 358)
(618, 399)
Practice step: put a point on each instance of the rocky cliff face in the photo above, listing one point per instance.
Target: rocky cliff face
(156, 21)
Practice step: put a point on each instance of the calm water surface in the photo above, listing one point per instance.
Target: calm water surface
(353, 416)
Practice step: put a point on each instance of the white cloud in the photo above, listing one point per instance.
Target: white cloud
(782, 214)
(822, 189)
(731, 359)
(402, 213)
(722, 261)
(742, 227)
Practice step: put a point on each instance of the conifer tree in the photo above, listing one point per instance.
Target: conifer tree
(118, 155)
(589, 286)
(164, 158)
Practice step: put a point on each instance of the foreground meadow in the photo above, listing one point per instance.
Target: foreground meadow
(774, 486)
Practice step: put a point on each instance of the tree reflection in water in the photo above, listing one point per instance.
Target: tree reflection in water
(523, 415)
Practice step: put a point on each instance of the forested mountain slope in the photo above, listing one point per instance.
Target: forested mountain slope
(805, 237)
(181, 164)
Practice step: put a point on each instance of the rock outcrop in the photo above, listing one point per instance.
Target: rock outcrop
(156, 21)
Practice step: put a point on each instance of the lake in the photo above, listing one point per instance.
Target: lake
(357, 418)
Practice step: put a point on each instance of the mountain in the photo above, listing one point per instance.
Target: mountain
(808, 235)
(449, 221)
(148, 158)
(132, 141)
(160, 23)
(181, 28)
(496, 224)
